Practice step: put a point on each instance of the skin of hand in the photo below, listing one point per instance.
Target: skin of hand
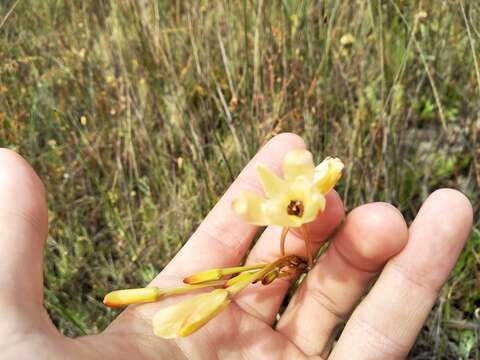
(410, 266)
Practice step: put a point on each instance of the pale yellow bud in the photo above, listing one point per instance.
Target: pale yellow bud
(121, 298)
(187, 317)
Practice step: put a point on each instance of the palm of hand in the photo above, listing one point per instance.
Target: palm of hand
(373, 238)
(239, 335)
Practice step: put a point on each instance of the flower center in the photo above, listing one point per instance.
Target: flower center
(295, 208)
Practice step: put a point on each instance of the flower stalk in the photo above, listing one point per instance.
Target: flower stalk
(283, 236)
(308, 245)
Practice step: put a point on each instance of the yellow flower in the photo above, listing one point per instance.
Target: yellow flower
(347, 39)
(294, 200)
(187, 317)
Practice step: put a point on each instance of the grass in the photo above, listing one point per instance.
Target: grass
(138, 114)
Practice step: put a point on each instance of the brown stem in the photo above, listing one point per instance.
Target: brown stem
(292, 272)
(282, 240)
(308, 246)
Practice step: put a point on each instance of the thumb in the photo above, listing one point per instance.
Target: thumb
(23, 231)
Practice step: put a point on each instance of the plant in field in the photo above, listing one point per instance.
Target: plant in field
(290, 202)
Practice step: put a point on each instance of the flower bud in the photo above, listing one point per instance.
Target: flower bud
(187, 317)
(121, 298)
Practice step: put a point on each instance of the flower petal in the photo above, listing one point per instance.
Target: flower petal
(271, 183)
(298, 163)
(168, 321)
(188, 316)
(276, 212)
(206, 310)
(327, 174)
(300, 189)
(251, 207)
(314, 205)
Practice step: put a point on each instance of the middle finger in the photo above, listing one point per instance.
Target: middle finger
(371, 234)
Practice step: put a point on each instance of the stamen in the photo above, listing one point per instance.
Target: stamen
(295, 207)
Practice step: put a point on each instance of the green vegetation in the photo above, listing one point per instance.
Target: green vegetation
(137, 115)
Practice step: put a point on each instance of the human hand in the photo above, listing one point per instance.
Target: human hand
(412, 265)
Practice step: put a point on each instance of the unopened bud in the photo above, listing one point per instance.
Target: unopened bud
(121, 298)
(204, 276)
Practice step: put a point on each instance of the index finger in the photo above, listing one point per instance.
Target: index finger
(223, 238)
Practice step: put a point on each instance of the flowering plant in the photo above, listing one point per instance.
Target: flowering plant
(290, 202)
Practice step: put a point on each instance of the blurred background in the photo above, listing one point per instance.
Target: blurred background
(138, 114)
